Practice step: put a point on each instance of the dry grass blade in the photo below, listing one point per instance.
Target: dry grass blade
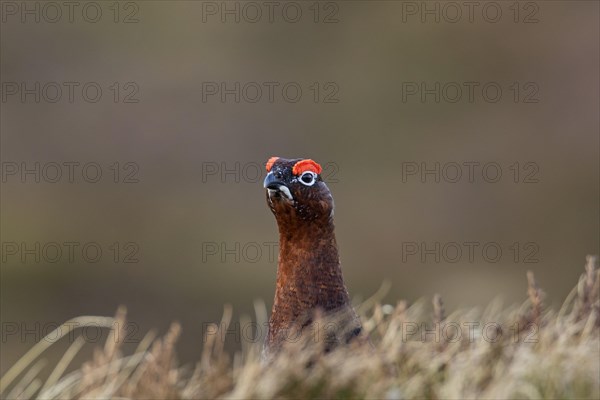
(47, 341)
(535, 297)
(64, 362)
(439, 313)
(22, 388)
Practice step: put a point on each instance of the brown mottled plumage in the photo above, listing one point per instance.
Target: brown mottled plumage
(309, 276)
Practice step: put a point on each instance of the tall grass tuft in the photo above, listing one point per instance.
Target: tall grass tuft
(418, 352)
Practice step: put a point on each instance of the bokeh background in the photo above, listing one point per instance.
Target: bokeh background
(176, 211)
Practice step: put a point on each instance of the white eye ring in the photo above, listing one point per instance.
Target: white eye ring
(308, 178)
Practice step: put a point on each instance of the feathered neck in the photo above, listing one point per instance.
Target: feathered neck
(309, 275)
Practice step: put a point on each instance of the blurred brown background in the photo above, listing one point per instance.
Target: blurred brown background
(368, 53)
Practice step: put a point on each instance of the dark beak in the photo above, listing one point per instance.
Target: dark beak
(274, 185)
(271, 182)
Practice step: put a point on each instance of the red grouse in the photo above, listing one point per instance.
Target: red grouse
(309, 276)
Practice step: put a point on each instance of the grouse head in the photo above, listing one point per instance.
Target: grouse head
(296, 193)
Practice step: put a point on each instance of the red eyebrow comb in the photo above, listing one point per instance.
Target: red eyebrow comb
(271, 162)
(306, 165)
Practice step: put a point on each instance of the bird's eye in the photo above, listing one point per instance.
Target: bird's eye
(308, 178)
